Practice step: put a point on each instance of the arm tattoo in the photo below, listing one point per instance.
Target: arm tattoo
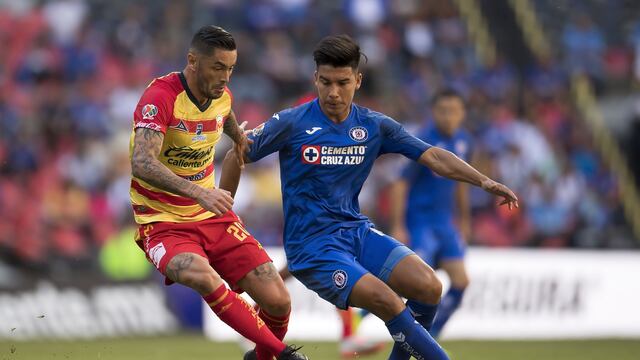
(177, 264)
(266, 271)
(146, 166)
(231, 128)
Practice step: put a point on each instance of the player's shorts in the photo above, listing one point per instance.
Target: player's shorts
(230, 249)
(349, 254)
(436, 243)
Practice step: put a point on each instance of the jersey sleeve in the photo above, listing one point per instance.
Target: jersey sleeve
(269, 137)
(154, 110)
(395, 139)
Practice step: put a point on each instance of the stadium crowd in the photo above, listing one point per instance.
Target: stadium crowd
(71, 73)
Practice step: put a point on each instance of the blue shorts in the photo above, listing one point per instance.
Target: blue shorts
(436, 243)
(346, 256)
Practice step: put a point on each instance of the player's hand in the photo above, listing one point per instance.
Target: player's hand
(401, 234)
(218, 201)
(242, 145)
(493, 187)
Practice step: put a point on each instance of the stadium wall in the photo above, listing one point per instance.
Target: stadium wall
(80, 311)
(514, 294)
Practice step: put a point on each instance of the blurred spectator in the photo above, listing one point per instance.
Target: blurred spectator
(584, 46)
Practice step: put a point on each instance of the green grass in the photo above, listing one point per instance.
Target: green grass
(195, 348)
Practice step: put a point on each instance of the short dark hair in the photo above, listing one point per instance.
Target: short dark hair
(210, 37)
(445, 93)
(338, 51)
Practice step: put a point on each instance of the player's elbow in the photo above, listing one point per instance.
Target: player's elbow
(139, 166)
(231, 156)
(436, 159)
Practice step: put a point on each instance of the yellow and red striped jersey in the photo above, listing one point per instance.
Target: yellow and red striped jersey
(191, 132)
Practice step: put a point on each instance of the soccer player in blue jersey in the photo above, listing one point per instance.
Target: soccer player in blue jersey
(424, 205)
(327, 148)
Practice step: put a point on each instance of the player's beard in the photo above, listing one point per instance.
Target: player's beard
(207, 90)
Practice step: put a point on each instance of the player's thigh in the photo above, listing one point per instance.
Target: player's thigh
(175, 250)
(452, 247)
(413, 279)
(373, 294)
(456, 271)
(399, 267)
(380, 253)
(332, 275)
(232, 251)
(266, 287)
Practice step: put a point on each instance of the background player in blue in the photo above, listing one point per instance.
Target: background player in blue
(327, 148)
(423, 204)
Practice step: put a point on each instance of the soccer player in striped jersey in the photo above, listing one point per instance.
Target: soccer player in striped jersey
(187, 229)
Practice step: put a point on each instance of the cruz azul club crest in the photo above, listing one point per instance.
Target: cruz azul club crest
(149, 111)
(358, 134)
(340, 278)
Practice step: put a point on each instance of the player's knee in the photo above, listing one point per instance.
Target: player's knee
(204, 282)
(193, 271)
(460, 283)
(279, 303)
(385, 302)
(429, 290)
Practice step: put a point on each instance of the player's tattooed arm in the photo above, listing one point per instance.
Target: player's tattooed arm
(232, 129)
(146, 166)
(238, 135)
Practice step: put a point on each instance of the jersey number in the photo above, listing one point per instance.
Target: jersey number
(237, 230)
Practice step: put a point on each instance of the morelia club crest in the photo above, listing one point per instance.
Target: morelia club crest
(358, 134)
(149, 111)
(219, 121)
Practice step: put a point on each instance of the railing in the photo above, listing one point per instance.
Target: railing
(478, 31)
(585, 101)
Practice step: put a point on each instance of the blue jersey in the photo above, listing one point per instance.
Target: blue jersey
(323, 166)
(431, 196)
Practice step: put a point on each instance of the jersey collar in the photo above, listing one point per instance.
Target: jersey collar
(193, 99)
(318, 109)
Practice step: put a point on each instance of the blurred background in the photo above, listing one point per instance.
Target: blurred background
(551, 86)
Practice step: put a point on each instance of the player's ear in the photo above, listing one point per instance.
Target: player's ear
(358, 80)
(315, 77)
(191, 60)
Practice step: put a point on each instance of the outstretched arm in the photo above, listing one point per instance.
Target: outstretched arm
(146, 166)
(447, 164)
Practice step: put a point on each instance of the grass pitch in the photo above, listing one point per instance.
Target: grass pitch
(187, 347)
